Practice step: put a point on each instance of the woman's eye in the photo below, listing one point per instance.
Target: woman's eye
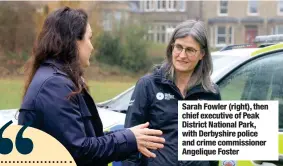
(179, 47)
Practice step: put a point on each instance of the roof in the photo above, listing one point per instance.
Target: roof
(275, 20)
(236, 46)
(271, 48)
(252, 19)
(223, 20)
(235, 52)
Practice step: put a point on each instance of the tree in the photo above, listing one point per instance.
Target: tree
(126, 48)
(135, 57)
(16, 26)
(48, 7)
(109, 49)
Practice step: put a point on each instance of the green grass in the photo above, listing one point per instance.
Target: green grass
(11, 91)
(102, 91)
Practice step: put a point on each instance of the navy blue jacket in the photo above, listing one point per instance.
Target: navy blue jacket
(155, 99)
(73, 122)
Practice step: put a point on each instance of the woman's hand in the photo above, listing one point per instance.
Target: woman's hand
(147, 139)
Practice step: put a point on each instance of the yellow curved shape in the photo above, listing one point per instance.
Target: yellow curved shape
(274, 47)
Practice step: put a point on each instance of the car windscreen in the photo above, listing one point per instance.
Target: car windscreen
(220, 61)
(121, 103)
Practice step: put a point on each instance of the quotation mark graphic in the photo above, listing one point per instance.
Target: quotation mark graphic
(23, 145)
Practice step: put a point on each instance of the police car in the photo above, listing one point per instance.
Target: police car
(241, 74)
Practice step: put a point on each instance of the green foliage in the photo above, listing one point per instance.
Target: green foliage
(23, 55)
(136, 58)
(109, 49)
(16, 26)
(125, 48)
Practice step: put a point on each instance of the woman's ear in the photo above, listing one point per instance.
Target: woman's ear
(202, 53)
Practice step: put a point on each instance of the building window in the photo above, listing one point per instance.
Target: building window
(150, 35)
(40, 10)
(149, 5)
(278, 30)
(280, 7)
(253, 7)
(230, 36)
(126, 16)
(182, 5)
(160, 33)
(163, 33)
(169, 32)
(118, 19)
(170, 5)
(223, 36)
(107, 21)
(175, 4)
(118, 16)
(161, 5)
(158, 5)
(223, 7)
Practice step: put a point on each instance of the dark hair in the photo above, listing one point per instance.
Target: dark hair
(57, 40)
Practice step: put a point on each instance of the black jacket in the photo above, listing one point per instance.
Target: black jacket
(155, 99)
(75, 123)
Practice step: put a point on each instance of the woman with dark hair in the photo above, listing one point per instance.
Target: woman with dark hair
(184, 76)
(56, 99)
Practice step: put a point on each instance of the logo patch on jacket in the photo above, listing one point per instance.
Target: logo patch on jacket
(166, 96)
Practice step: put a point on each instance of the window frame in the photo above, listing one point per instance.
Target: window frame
(181, 8)
(275, 29)
(253, 14)
(170, 5)
(108, 22)
(279, 13)
(225, 35)
(217, 35)
(220, 7)
(152, 5)
(161, 9)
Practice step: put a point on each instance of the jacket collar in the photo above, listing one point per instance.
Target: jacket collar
(161, 76)
(57, 66)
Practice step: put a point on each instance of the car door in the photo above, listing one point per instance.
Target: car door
(259, 79)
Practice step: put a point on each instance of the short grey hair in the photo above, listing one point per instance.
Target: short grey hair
(203, 69)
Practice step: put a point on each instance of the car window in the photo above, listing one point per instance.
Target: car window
(121, 103)
(220, 61)
(259, 79)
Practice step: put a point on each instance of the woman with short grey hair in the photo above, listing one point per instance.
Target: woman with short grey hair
(185, 75)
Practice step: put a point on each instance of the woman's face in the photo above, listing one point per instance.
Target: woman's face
(186, 54)
(85, 47)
